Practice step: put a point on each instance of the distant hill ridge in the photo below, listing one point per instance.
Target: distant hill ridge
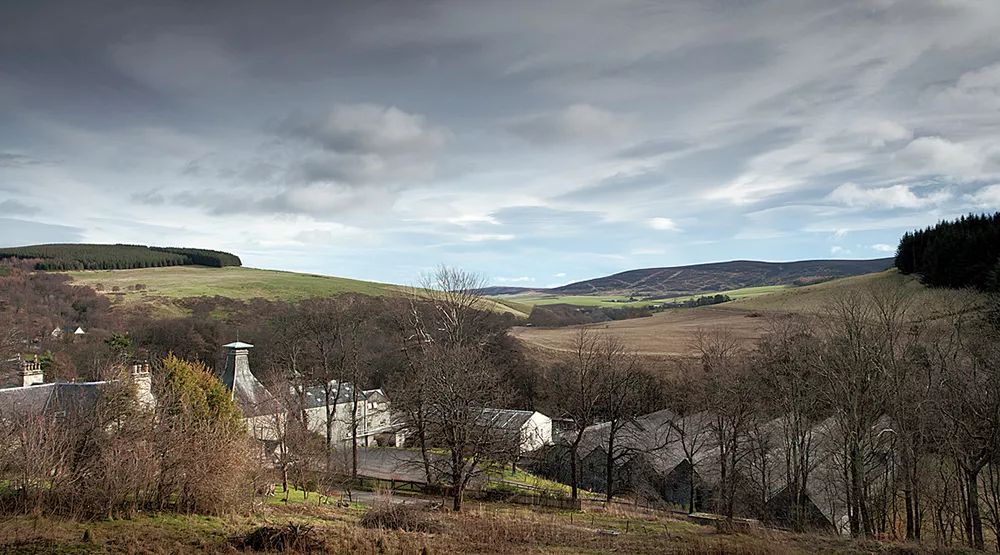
(83, 256)
(710, 277)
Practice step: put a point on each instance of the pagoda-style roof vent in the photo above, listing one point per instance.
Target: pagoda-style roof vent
(238, 345)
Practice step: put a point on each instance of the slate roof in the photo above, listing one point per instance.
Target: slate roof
(315, 397)
(251, 395)
(506, 419)
(50, 397)
(650, 434)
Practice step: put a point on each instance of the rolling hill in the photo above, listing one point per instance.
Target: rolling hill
(677, 281)
(160, 287)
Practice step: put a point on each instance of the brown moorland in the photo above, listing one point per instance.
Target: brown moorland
(674, 332)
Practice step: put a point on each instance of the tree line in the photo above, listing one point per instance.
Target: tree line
(65, 257)
(960, 253)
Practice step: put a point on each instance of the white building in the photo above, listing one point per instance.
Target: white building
(374, 420)
(534, 429)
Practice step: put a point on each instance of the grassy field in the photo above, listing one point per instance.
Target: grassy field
(159, 286)
(618, 301)
(664, 334)
(674, 332)
(925, 303)
(234, 282)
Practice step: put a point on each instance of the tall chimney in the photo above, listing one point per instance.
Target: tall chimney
(143, 380)
(31, 372)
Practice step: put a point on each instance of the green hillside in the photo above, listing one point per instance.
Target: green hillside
(158, 286)
(927, 302)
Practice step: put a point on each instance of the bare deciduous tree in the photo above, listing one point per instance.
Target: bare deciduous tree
(460, 382)
(578, 382)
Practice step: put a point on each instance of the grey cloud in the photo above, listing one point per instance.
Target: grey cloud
(322, 201)
(366, 129)
(17, 207)
(495, 104)
(151, 198)
(15, 160)
(653, 147)
(358, 144)
(694, 170)
(579, 123)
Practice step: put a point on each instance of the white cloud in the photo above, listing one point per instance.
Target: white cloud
(987, 197)
(883, 247)
(837, 249)
(894, 196)
(482, 237)
(939, 156)
(662, 224)
(560, 274)
(520, 279)
(975, 90)
(879, 132)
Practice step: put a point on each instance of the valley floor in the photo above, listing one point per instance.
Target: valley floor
(674, 332)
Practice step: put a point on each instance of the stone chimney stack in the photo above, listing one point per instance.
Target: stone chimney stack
(143, 380)
(31, 372)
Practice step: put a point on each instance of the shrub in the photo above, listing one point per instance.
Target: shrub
(291, 537)
(387, 515)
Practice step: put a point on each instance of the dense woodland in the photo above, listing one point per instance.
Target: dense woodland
(960, 253)
(115, 257)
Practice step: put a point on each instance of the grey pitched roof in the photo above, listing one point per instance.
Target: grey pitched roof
(315, 396)
(20, 400)
(506, 419)
(51, 397)
(649, 434)
(251, 395)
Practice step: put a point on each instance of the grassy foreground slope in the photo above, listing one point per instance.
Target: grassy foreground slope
(159, 286)
(481, 528)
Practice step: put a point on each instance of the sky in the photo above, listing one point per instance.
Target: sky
(535, 143)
